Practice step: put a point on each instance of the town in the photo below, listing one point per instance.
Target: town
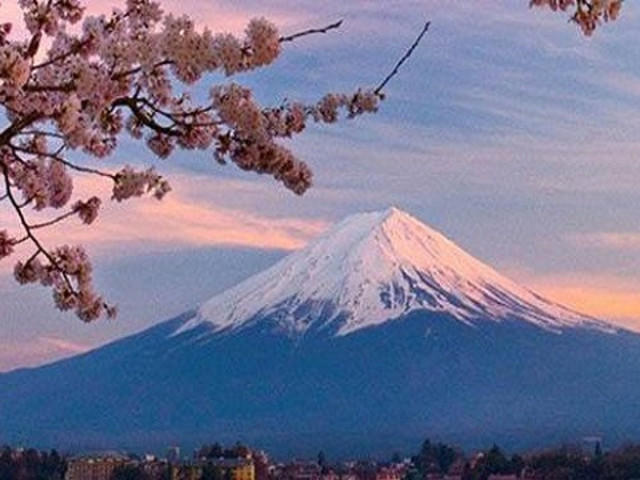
(433, 461)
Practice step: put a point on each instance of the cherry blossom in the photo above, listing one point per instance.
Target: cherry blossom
(129, 73)
(588, 14)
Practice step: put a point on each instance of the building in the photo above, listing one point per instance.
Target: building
(94, 467)
(185, 471)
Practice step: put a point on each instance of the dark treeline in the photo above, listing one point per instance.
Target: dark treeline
(215, 451)
(31, 464)
(435, 460)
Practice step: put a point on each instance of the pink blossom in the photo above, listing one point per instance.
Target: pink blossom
(228, 50)
(59, 185)
(87, 211)
(14, 68)
(263, 41)
(70, 114)
(588, 13)
(130, 183)
(29, 272)
(160, 144)
(6, 244)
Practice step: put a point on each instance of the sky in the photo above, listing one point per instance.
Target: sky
(508, 131)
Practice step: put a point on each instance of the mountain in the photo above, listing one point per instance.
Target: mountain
(376, 335)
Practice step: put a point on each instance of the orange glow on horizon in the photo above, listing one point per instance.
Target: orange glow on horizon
(619, 303)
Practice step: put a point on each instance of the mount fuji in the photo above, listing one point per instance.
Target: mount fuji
(376, 335)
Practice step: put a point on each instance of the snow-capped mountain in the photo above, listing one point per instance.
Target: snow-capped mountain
(378, 334)
(375, 267)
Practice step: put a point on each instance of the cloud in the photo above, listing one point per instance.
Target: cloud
(605, 296)
(608, 240)
(29, 353)
(181, 221)
(185, 218)
(219, 16)
(188, 217)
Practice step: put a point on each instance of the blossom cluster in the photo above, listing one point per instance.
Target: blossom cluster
(588, 13)
(14, 68)
(6, 244)
(131, 183)
(43, 183)
(87, 211)
(68, 272)
(249, 142)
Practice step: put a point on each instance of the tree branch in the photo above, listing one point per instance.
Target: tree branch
(16, 126)
(144, 118)
(404, 58)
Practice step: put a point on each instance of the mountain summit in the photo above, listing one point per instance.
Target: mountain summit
(372, 268)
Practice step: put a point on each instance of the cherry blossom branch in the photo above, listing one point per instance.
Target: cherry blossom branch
(129, 74)
(58, 58)
(56, 156)
(25, 225)
(142, 116)
(64, 263)
(39, 132)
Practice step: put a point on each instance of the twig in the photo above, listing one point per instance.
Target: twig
(35, 226)
(404, 58)
(79, 168)
(311, 31)
(40, 132)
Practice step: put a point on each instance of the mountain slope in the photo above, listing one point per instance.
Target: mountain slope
(378, 334)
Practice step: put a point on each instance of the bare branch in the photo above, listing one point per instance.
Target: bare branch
(404, 58)
(311, 31)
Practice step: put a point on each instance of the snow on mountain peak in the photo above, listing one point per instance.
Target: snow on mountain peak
(375, 267)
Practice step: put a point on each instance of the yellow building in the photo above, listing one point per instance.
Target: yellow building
(239, 468)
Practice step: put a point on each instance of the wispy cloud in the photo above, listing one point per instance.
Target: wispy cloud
(608, 240)
(180, 220)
